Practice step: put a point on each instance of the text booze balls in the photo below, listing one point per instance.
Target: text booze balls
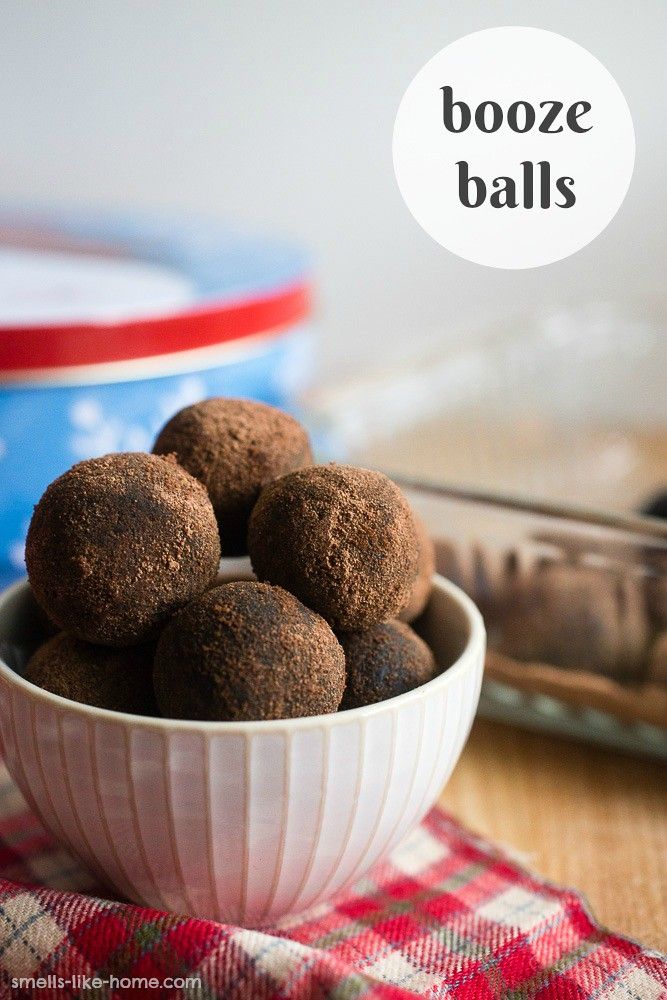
(246, 651)
(119, 543)
(234, 447)
(341, 539)
(119, 679)
(384, 661)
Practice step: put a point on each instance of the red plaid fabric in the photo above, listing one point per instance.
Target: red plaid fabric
(447, 916)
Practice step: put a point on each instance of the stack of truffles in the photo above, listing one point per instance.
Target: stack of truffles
(123, 556)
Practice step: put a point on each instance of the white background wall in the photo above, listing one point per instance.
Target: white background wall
(281, 114)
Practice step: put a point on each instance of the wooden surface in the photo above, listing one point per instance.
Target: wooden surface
(584, 817)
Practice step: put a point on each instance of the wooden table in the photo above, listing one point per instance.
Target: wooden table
(584, 817)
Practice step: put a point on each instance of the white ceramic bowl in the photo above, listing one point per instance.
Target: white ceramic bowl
(242, 822)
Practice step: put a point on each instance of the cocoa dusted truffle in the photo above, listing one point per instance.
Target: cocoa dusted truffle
(576, 616)
(119, 543)
(657, 661)
(384, 661)
(248, 651)
(234, 447)
(342, 539)
(421, 588)
(119, 679)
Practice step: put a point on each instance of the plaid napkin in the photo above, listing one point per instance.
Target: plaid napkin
(447, 916)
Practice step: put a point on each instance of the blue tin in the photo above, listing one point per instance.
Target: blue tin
(52, 417)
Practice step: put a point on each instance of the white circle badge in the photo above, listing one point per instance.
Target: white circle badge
(513, 147)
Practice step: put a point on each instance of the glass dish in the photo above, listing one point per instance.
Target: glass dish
(575, 605)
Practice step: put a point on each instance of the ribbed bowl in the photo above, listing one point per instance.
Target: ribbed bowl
(240, 822)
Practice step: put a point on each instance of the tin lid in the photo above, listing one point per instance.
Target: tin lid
(78, 289)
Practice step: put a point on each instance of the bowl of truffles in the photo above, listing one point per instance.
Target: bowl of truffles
(236, 739)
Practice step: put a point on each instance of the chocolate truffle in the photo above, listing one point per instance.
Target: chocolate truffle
(657, 661)
(234, 447)
(248, 651)
(119, 543)
(576, 616)
(656, 594)
(342, 539)
(421, 588)
(384, 661)
(119, 679)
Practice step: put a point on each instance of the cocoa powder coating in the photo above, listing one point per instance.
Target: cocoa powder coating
(234, 447)
(384, 661)
(119, 679)
(421, 588)
(342, 539)
(118, 544)
(248, 651)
